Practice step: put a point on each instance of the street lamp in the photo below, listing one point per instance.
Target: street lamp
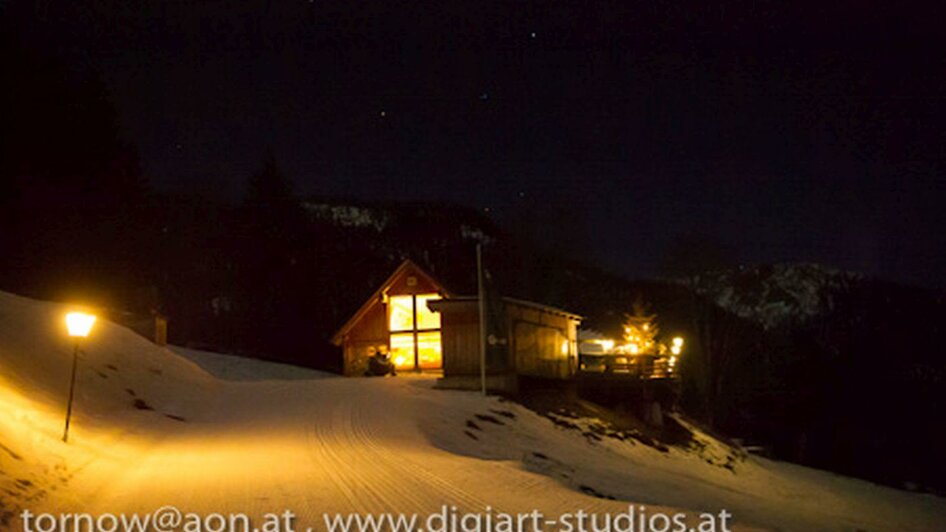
(79, 324)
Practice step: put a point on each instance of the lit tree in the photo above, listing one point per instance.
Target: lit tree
(640, 331)
(640, 334)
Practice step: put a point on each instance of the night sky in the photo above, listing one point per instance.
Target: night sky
(788, 131)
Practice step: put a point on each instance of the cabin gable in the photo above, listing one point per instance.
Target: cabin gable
(369, 329)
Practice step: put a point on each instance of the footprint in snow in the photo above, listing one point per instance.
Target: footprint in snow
(588, 490)
(542, 463)
(10, 452)
(488, 419)
(140, 404)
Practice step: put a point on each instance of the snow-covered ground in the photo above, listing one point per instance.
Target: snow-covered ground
(212, 433)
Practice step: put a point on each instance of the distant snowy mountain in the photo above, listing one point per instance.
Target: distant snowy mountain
(348, 215)
(464, 223)
(775, 295)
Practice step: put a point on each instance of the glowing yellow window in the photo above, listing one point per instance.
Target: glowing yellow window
(426, 318)
(402, 350)
(429, 352)
(409, 316)
(401, 313)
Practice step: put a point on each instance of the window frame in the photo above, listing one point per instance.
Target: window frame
(415, 330)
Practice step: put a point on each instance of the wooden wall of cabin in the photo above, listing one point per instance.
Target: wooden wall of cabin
(371, 331)
(402, 285)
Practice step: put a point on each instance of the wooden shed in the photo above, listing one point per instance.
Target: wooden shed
(526, 339)
(396, 318)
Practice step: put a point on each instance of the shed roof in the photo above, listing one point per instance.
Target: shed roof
(509, 300)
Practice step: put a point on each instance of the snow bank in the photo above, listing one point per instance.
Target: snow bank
(128, 392)
(758, 491)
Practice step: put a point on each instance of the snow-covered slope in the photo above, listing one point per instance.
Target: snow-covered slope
(129, 394)
(235, 435)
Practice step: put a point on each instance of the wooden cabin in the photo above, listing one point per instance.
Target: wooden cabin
(425, 328)
(526, 339)
(396, 319)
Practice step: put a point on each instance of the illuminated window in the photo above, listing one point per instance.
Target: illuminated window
(428, 350)
(426, 318)
(401, 313)
(402, 350)
(409, 318)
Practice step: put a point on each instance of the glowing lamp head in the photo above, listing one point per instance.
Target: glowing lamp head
(607, 345)
(79, 324)
(634, 348)
(675, 350)
(678, 342)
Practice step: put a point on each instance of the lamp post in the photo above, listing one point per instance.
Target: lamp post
(79, 324)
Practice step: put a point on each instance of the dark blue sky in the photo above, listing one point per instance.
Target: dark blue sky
(789, 132)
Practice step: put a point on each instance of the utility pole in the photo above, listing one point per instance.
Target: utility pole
(482, 308)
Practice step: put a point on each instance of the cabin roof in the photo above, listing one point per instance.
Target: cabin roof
(405, 266)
